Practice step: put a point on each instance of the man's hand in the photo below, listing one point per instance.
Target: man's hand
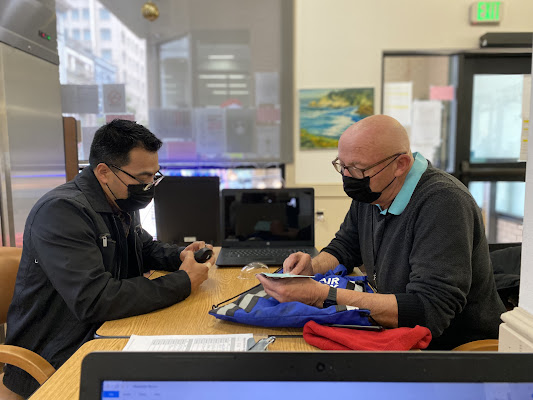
(298, 264)
(194, 247)
(197, 272)
(304, 290)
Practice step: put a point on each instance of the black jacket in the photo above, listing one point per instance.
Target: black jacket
(79, 269)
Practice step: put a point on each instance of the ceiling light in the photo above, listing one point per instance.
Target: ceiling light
(150, 11)
(221, 57)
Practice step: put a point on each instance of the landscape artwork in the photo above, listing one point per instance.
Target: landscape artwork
(326, 113)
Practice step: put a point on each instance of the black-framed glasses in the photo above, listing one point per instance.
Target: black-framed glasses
(359, 173)
(158, 177)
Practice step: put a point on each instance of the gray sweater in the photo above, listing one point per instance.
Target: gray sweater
(433, 256)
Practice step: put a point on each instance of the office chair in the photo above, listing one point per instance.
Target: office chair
(479, 345)
(25, 359)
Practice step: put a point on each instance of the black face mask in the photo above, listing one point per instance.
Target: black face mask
(137, 198)
(359, 189)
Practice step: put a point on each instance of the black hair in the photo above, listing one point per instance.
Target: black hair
(113, 142)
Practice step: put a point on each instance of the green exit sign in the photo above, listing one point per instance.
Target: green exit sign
(486, 12)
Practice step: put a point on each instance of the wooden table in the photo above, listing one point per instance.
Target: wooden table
(189, 317)
(65, 383)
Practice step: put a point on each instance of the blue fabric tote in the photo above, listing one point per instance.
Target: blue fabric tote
(255, 307)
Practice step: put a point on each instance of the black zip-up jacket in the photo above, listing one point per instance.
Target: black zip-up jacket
(79, 269)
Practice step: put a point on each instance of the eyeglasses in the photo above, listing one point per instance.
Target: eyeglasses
(158, 177)
(359, 173)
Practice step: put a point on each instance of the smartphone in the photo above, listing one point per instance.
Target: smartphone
(361, 327)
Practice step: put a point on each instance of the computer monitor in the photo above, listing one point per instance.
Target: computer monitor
(187, 209)
(312, 375)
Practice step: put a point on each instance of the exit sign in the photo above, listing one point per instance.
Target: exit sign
(486, 12)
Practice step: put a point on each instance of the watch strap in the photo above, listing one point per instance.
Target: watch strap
(331, 300)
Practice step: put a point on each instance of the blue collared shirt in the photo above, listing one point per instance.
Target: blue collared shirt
(404, 196)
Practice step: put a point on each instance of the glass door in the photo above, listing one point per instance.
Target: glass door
(492, 91)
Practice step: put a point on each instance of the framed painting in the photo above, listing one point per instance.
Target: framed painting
(326, 113)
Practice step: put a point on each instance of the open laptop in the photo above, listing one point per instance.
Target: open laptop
(187, 209)
(314, 375)
(265, 225)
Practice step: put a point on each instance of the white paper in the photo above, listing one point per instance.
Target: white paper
(236, 342)
(266, 88)
(397, 99)
(426, 128)
(79, 99)
(210, 128)
(268, 140)
(114, 98)
(526, 105)
(285, 275)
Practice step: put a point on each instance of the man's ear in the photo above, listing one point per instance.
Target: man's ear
(102, 172)
(403, 163)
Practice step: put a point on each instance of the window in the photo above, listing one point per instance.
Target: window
(85, 13)
(107, 54)
(76, 34)
(75, 14)
(87, 34)
(104, 14)
(105, 34)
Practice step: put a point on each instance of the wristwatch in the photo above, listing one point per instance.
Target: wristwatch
(331, 300)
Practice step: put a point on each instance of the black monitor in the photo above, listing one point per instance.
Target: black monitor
(187, 209)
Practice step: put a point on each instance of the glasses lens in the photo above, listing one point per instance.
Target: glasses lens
(337, 166)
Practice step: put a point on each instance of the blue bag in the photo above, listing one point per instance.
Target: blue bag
(255, 307)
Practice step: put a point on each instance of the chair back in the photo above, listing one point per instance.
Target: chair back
(9, 265)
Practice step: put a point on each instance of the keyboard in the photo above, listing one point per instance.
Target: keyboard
(260, 253)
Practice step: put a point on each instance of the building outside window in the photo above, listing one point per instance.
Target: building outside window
(76, 34)
(75, 14)
(85, 13)
(87, 34)
(105, 34)
(104, 14)
(107, 54)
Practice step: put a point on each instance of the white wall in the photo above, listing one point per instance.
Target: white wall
(339, 44)
(526, 272)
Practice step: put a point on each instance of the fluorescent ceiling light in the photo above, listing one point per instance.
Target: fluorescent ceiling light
(217, 85)
(237, 85)
(236, 76)
(223, 92)
(212, 76)
(238, 92)
(221, 57)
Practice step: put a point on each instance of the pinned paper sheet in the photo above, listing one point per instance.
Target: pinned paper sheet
(442, 93)
(397, 101)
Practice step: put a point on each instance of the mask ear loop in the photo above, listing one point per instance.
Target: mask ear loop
(111, 191)
(240, 294)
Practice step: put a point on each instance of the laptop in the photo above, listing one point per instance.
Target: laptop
(313, 375)
(265, 225)
(187, 209)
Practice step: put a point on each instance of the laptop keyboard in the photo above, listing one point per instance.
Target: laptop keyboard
(261, 253)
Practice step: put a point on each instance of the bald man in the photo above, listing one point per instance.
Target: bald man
(417, 232)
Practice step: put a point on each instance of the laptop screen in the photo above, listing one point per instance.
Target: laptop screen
(307, 375)
(256, 216)
(259, 390)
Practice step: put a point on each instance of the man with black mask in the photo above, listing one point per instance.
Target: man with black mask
(417, 232)
(85, 253)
